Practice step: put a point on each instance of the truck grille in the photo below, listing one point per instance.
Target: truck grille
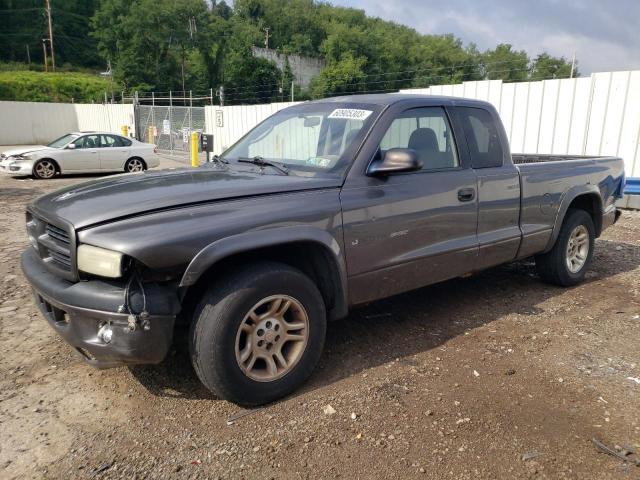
(53, 244)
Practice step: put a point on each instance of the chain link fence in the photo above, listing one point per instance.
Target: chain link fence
(170, 128)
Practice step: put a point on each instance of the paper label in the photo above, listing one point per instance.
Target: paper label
(350, 113)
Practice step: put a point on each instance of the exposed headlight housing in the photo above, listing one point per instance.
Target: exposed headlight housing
(100, 261)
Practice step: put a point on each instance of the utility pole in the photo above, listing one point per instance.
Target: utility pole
(266, 37)
(573, 64)
(44, 50)
(53, 58)
(221, 94)
(28, 56)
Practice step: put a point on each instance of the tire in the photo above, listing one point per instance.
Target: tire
(45, 169)
(216, 338)
(135, 164)
(554, 266)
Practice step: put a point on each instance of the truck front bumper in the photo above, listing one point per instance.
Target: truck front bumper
(77, 312)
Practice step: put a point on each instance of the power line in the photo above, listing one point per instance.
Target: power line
(442, 68)
(362, 81)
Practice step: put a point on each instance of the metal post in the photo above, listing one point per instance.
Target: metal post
(222, 95)
(136, 106)
(44, 49)
(105, 98)
(190, 111)
(122, 98)
(194, 149)
(153, 109)
(53, 58)
(292, 90)
(211, 96)
(28, 55)
(573, 64)
(170, 132)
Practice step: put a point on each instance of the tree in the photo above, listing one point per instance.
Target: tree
(200, 44)
(505, 63)
(343, 76)
(546, 67)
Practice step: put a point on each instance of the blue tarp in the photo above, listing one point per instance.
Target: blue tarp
(633, 186)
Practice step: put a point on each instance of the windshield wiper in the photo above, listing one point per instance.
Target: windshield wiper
(261, 162)
(219, 159)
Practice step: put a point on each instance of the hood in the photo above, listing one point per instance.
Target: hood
(135, 194)
(23, 150)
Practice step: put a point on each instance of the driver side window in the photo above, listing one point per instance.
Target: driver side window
(88, 141)
(427, 131)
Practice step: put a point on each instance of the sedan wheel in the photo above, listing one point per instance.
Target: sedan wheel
(134, 165)
(44, 169)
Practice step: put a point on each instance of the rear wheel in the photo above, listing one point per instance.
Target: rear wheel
(567, 262)
(257, 335)
(135, 165)
(44, 169)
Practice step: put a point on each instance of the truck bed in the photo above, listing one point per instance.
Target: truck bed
(545, 180)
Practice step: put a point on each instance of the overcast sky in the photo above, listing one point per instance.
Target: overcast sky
(605, 34)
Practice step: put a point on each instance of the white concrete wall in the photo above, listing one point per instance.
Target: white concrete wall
(29, 123)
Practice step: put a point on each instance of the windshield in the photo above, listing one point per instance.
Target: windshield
(312, 139)
(62, 141)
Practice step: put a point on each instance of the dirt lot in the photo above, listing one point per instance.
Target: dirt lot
(459, 380)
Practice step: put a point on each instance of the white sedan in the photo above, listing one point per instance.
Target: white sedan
(81, 152)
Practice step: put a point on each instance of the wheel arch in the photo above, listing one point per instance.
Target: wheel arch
(585, 197)
(315, 252)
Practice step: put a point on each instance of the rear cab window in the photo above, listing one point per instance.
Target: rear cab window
(482, 137)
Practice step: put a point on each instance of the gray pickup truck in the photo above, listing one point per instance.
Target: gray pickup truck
(323, 206)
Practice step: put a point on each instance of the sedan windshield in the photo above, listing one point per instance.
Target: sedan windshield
(62, 141)
(309, 139)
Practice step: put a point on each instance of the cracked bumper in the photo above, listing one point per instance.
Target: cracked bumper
(76, 311)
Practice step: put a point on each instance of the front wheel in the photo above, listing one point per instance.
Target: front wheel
(257, 335)
(134, 165)
(567, 262)
(44, 169)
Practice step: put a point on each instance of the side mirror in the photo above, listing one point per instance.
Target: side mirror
(71, 146)
(396, 160)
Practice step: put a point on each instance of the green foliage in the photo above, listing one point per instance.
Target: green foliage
(545, 66)
(24, 23)
(53, 87)
(505, 63)
(176, 45)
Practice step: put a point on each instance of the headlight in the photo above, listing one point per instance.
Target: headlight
(99, 261)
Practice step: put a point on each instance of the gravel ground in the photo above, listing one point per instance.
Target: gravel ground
(493, 376)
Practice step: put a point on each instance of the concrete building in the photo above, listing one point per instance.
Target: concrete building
(303, 68)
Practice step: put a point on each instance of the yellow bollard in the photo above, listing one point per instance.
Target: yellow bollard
(194, 149)
(125, 130)
(150, 139)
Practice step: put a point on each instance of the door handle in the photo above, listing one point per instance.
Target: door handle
(466, 194)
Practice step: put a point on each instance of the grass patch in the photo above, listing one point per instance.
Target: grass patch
(29, 86)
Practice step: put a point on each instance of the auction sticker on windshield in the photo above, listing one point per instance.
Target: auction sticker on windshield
(350, 113)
